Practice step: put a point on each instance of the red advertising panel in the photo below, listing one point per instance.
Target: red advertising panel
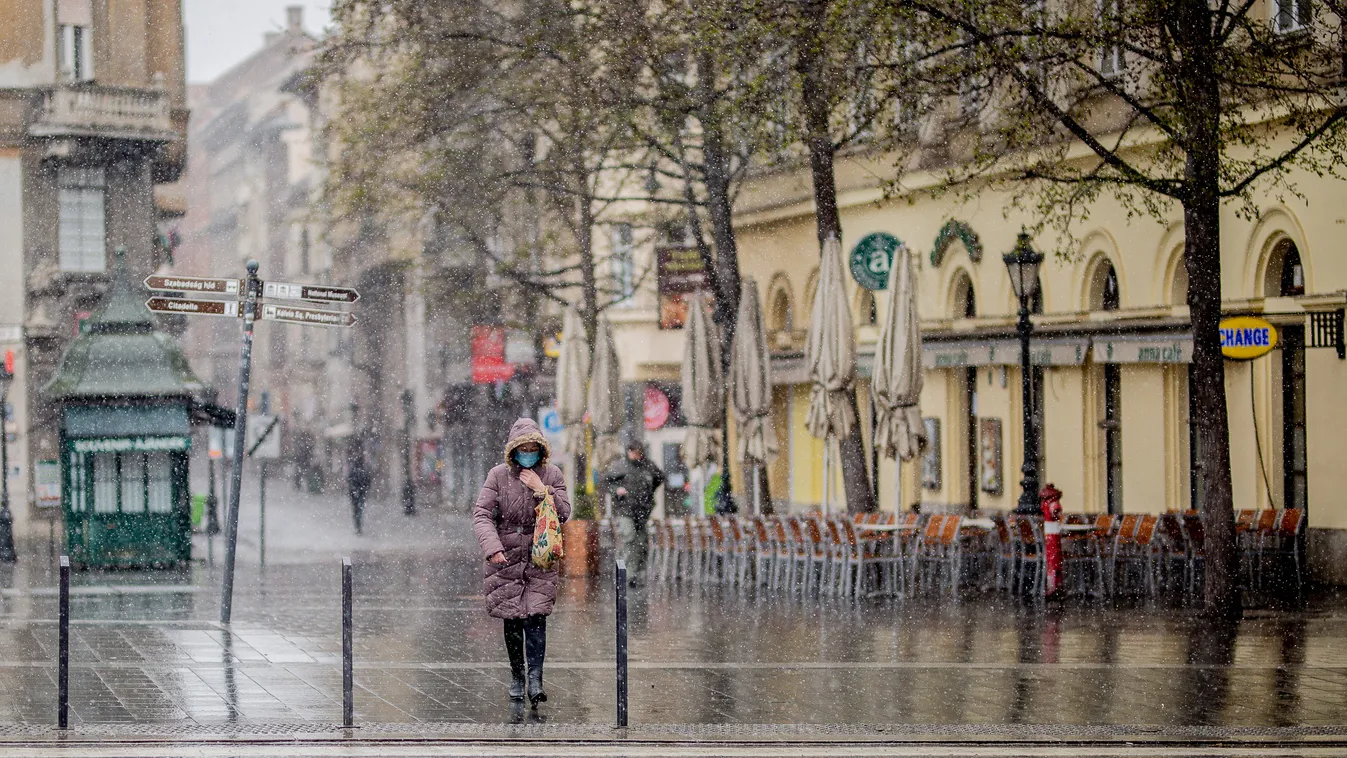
(488, 355)
(656, 408)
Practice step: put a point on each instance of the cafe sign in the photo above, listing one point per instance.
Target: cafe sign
(1244, 338)
(872, 258)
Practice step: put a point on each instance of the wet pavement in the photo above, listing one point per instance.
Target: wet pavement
(147, 648)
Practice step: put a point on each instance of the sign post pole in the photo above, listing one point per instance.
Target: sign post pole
(240, 423)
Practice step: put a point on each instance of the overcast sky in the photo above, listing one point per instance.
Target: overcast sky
(221, 33)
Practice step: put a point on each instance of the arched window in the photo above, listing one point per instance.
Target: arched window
(1105, 295)
(1179, 293)
(780, 313)
(1285, 274)
(964, 297)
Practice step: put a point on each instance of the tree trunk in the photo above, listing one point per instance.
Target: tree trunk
(818, 138)
(584, 238)
(1202, 258)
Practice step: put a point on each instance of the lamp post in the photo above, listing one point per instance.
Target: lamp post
(7, 554)
(408, 489)
(1023, 263)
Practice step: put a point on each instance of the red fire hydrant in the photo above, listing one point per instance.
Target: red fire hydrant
(1050, 499)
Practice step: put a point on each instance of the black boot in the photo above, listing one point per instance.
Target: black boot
(514, 645)
(535, 648)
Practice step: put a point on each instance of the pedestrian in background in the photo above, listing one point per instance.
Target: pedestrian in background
(358, 481)
(516, 590)
(636, 480)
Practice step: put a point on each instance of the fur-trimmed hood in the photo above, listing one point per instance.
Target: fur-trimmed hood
(526, 430)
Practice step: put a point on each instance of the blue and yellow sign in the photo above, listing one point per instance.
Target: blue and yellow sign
(1244, 338)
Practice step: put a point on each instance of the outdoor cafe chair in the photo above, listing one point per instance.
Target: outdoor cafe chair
(816, 557)
(1282, 546)
(718, 553)
(927, 545)
(1196, 535)
(1007, 553)
(1137, 554)
(1174, 555)
(783, 551)
(833, 546)
(763, 549)
(1030, 555)
(860, 563)
(1083, 554)
(1251, 542)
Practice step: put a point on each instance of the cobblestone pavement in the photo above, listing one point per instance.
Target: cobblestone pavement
(148, 653)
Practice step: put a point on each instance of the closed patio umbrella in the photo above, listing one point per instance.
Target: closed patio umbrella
(573, 381)
(830, 352)
(899, 432)
(703, 393)
(606, 406)
(751, 388)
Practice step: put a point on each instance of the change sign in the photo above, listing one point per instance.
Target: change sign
(1244, 338)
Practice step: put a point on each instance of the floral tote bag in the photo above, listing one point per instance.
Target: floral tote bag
(547, 548)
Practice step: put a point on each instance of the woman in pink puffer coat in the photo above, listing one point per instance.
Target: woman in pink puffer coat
(517, 591)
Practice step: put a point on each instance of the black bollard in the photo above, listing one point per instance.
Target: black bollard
(347, 651)
(622, 644)
(63, 648)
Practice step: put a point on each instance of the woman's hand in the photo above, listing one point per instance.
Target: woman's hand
(531, 480)
(497, 559)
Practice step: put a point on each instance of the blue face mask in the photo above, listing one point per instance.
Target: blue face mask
(527, 460)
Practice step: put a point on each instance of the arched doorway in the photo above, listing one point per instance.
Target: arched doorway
(964, 302)
(1106, 295)
(1285, 277)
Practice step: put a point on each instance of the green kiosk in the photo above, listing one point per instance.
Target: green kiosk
(125, 394)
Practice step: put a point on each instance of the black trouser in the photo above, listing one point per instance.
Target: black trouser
(526, 641)
(358, 508)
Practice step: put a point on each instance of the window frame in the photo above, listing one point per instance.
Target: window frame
(1301, 16)
(82, 222)
(1111, 59)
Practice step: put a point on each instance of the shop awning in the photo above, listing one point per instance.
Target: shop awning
(1063, 351)
(1144, 348)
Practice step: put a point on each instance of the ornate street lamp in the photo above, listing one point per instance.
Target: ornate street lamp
(1023, 263)
(7, 554)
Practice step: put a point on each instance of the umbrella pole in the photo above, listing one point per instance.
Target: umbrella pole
(827, 469)
(757, 490)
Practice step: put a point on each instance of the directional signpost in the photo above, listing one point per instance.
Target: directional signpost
(315, 292)
(193, 307)
(295, 315)
(241, 298)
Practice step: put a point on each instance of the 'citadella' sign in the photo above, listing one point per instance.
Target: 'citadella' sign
(1244, 338)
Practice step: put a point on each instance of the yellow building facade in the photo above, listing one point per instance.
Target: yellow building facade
(1111, 350)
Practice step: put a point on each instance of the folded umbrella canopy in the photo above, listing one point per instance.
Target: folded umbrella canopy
(573, 381)
(830, 352)
(703, 386)
(899, 432)
(606, 406)
(751, 387)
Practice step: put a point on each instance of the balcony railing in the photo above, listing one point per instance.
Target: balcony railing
(94, 111)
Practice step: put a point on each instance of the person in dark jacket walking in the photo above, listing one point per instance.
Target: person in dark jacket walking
(358, 481)
(636, 480)
(517, 591)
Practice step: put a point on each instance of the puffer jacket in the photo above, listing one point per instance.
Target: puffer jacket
(502, 520)
(640, 479)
